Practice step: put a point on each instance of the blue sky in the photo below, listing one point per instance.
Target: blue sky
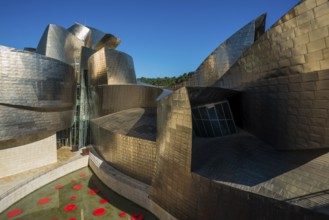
(165, 38)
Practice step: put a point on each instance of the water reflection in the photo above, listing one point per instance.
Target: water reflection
(79, 195)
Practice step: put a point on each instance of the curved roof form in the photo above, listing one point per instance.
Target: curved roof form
(58, 43)
(109, 41)
(97, 38)
(108, 66)
(79, 30)
(224, 56)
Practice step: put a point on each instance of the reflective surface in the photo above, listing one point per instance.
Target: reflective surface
(79, 195)
(108, 66)
(224, 56)
(36, 92)
(284, 79)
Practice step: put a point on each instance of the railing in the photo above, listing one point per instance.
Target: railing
(30, 179)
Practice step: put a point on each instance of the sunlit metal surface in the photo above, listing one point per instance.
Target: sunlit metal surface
(79, 30)
(58, 43)
(283, 76)
(36, 92)
(97, 39)
(108, 66)
(126, 140)
(224, 56)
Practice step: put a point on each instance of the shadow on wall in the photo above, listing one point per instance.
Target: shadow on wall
(243, 159)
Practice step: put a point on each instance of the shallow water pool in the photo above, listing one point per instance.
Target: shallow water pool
(77, 196)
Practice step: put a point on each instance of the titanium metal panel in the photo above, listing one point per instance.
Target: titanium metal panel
(126, 140)
(284, 80)
(58, 43)
(79, 30)
(32, 80)
(108, 66)
(109, 41)
(37, 94)
(224, 56)
(113, 98)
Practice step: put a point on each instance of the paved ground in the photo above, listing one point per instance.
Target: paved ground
(244, 162)
(64, 154)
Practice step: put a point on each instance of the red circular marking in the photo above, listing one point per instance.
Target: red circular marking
(122, 214)
(72, 219)
(78, 186)
(137, 216)
(103, 201)
(83, 175)
(70, 207)
(99, 211)
(15, 212)
(93, 191)
(58, 187)
(44, 201)
(73, 197)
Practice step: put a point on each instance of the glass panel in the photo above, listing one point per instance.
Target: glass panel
(219, 111)
(231, 126)
(224, 127)
(203, 113)
(212, 113)
(216, 128)
(227, 111)
(208, 128)
(196, 113)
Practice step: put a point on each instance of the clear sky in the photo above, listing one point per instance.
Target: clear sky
(165, 38)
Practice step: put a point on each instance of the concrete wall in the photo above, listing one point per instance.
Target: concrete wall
(25, 157)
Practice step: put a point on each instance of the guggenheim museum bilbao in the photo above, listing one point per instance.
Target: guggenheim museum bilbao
(245, 137)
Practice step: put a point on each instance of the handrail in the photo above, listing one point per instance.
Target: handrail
(30, 179)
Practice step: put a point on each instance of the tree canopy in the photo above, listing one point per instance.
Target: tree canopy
(166, 82)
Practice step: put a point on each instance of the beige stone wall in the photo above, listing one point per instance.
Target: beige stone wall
(25, 157)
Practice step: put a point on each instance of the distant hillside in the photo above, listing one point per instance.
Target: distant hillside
(166, 82)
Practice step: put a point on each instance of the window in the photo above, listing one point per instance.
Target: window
(213, 120)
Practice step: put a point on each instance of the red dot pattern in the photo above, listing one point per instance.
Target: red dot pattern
(43, 201)
(99, 211)
(122, 214)
(14, 213)
(78, 186)
(70, 207)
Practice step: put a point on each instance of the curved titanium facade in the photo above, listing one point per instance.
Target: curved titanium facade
(224, 56)
(37, 94)
(126, 140)
(79, 31)
(124, 130)
(58, 43)
(108, 66)
(140, 96)
(284, 79)
(97, 39)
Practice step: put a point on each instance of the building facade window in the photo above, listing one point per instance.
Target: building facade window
(213, 120)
